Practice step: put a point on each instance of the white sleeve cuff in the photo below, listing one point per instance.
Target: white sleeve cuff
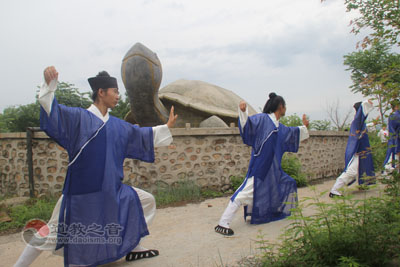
(366, 107)
(162, 136)
(303, 133)
(243, 116)
(46, 95)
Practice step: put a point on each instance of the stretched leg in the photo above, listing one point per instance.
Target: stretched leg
(148, 205)
(388, 167)
(149, 210)
(227, 217)
(244, 196)
(28, 256)
(346, 177)
(34, 248)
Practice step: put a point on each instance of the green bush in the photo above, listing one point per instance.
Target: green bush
(347, 232)
(32, 209)
(378, 151)
(291, 120)
(292, 166)
(236, 181)
(320, 125)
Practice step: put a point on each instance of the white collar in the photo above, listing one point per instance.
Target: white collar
(98, 114)
(274, 120)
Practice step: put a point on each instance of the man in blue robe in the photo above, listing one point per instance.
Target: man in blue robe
(358, 157)
(393, 146)
(98, 219)
(267, 192)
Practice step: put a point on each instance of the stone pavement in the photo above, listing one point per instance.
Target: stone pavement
(185, 235)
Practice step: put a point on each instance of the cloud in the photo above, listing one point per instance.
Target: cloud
(293, 47)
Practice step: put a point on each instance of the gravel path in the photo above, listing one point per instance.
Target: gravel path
(185, 236)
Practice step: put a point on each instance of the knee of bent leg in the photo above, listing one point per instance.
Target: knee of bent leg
(352, 173)
(152, 201)
(149, 202)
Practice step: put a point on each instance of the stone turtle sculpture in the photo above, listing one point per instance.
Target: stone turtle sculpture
(194, 101)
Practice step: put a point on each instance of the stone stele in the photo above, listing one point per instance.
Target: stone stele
(194, 101)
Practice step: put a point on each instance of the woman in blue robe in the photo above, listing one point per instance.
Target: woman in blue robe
(98, 219)
(267, 192)
(393, 145)
(358, 155)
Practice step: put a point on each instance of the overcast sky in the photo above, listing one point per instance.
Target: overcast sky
(292, 47)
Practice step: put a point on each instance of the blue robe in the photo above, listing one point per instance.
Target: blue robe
(393, 145)
(96, 203)
(358, 143)
(275, 192)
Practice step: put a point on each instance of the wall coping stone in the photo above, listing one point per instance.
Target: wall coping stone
(180, 132)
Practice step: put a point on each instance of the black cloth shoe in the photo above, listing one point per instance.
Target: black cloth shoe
(223, 230)
(331, 195)
(138, 255)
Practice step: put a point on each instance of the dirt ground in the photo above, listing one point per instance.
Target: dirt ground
(185, 235)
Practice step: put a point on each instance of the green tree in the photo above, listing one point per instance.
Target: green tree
(381, 19)
(373, 73)
(18, 118)
(68, 95)
(320, 125)
(291, 120)
(380, 16)
(122, 108)
(3, 127)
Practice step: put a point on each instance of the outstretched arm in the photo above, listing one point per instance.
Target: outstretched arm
(70, 127)
(367, 106)
(161, 134)
(172, 118)
(243, 113)
(304, 129)
(46, 93)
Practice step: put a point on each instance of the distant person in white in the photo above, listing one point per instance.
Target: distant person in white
(383, 134)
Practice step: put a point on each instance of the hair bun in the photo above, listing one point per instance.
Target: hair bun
(103, 74)
(272, 95)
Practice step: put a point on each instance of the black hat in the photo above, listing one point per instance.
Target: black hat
(357, 106)
(102, 80)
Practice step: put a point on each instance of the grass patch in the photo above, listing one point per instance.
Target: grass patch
(208, 193)
(236, 181)
(292, 166)
(347, 232)
(32, 209)
(181, 192)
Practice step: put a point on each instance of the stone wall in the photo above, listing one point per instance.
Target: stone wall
(206, 156)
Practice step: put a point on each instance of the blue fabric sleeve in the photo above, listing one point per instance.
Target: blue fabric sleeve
(249, 132)
(396, 126)
(140, 143)
(292, 138)
(63, 124)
